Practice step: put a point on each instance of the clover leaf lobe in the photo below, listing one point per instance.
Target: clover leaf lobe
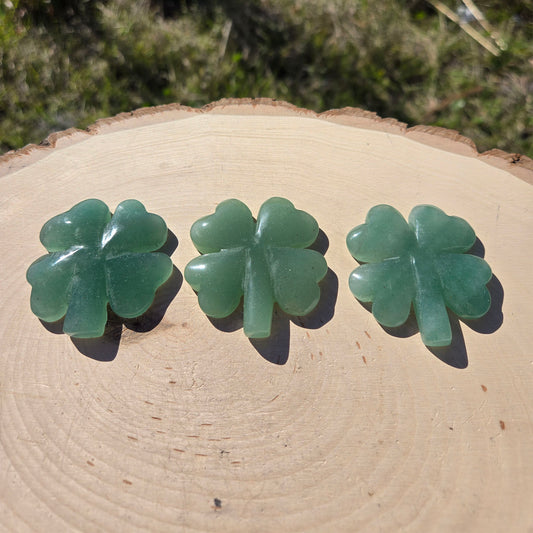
(230, 226)
(82, 225)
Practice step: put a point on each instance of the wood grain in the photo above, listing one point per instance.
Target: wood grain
(178, 423)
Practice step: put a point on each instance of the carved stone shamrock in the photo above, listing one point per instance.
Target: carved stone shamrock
(266, 261)
(96, 259)
(421, 263)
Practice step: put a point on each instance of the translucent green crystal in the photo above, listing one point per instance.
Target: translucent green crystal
(96, 259)
(266, 261)
(422, 263)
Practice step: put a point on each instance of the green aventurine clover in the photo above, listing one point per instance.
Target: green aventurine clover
(266, 261)
(98, 259)
(421, 263)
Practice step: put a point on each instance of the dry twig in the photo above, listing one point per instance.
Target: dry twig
(448, 13)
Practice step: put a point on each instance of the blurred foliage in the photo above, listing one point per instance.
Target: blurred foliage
(66, 63)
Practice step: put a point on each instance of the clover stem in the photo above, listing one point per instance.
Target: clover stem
(87, 310)
(258, 295)
(429, 305)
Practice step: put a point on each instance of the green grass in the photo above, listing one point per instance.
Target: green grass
(63, 66)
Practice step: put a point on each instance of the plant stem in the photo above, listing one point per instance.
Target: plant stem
(258, 296)
(429, 306)
(86, 315)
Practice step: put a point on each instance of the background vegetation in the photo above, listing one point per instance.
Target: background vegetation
(65, 63)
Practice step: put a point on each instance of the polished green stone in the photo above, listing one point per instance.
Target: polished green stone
(266, 261)
(421, 263)
(96, 259)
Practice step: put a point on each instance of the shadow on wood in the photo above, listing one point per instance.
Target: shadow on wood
(105, 348)
(275, 348)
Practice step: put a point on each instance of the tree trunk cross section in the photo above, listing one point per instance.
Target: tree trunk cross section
(180, 423)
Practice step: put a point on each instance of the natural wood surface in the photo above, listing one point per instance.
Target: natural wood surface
(178, 423)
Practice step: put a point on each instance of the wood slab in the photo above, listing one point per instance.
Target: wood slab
(174, 422)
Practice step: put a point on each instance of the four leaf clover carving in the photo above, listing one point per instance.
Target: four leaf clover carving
(98, 259)
(266, 261)
(420, 263)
